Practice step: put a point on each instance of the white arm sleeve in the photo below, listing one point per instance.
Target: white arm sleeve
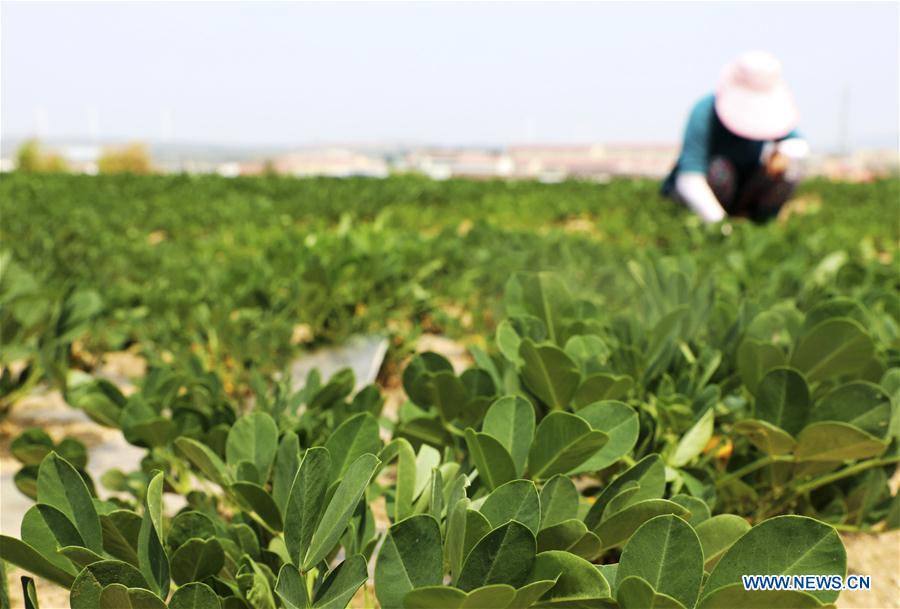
(696, 193)
(795, 148)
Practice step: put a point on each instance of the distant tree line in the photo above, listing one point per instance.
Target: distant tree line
(134, 158)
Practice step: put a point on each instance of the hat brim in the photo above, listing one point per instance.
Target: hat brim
(755, 114)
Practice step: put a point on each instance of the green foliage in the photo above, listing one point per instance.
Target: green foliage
(131, 159)
(651, 406)
(31, 158)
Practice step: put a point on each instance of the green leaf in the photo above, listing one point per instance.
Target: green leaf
(600, 387)
(100, 408)
(196, 560)
(503, 556)
(410, 558)
(434, 597)
(444, 391)
(561, 536)
(576, 578)
(117, 596)
(559, 500)
(824, 442)
(305, 502)
(355, 437)
(495, 595)
(666, 553)
(766, 437)
(528, 595)
(734, 596)
(80, 556)
(121, 529)
(427, 459)
(24, 556)
(834, 307)
(549, 373)
(649, 474)
(287, 462)
(195, 596)
(542, 295)
(617, 420)
(28, 591)
(420, 365)
(151, 552)
(609, 571)
(699, 510)
(476, 528)
(635, 592)
(189, 525)
(588, 547)
(405, 487)
(256, 499)
(342, 583)
(495, 465)
(142, 426)
(244, 540)
(860, 403)
(204, 459)
(834, 347)
(784, 545)
(618, 528)
(36, 533)
(754, 359)
(693, 441)
(88, 586)
(26, 481)
(445, 597)
(291, 588)
(589, 351)
(562, 442)
(436, 496)
(718, 534)
(782, 399)
(456, 532)
(31, 446)
(510, 420)
(62, 487)
(259, 587)
(337, 514)
(61, 527)
(516, 500)
(253, 438)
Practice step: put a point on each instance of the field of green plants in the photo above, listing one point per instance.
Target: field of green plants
(652, 408)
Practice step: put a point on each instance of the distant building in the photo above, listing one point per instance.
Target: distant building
(597, 162)
(332, 162)
(81, 158)
(470, 163)
(547, 163)
(862, 166)
(229, 169)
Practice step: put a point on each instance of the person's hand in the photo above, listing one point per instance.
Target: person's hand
(777, 164)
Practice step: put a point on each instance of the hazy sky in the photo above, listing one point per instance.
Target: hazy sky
(279, 73)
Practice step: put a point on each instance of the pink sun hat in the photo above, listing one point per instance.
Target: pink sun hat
(753, 100)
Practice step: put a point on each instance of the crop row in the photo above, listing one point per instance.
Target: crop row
(555, 473)
(247, 273)
(670, 408)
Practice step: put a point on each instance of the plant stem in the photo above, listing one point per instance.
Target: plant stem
(752, 467)
(844, 473)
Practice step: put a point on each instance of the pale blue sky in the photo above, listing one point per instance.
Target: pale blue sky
(291, 74)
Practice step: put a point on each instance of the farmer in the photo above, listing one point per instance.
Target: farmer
(741, 153)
